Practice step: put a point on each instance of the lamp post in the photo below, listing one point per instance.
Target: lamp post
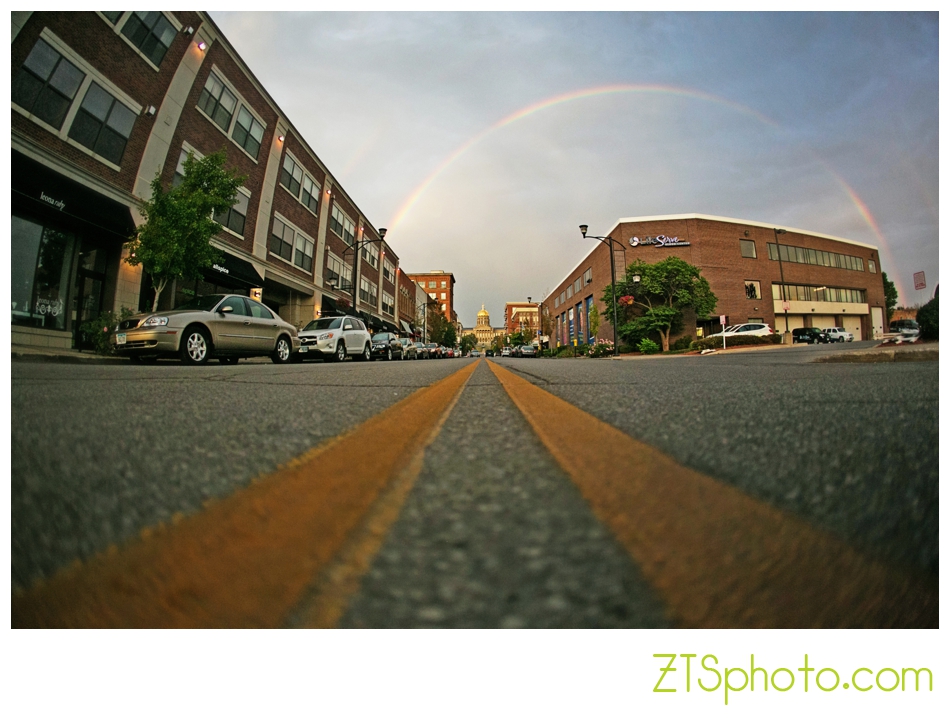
(357, 245)
(780, 232)
(608, 241)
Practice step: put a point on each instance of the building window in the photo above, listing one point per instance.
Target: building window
(291, 176)
(443, 284)
(389, 304)
(248, 132)
(234, 217)
(46, 84)
(311, 192)
(112, 15)
(432, 296)
(337, 270)
(103, 124)
(577, 286)
(753, 290)
(282, 240)
(40, 259)
(872, 267)
(303, 253)
(443, 306)
(794, 254)
(570, 291)
(588, 276)
(218, 102)
(389, 272)
(368, 292)
(432, 285)
(370, 255)
(151, 33)
(443, 297)
(747, 249)
(819, 293)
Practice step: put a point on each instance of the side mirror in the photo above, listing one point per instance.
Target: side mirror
(226, 309)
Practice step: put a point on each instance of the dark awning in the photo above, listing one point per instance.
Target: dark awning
(406, 327)
(238, 268)
(42, 190)
(367, 319)
(378, 323)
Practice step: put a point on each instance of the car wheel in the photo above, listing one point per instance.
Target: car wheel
(282, 351)
(389, 354)
(135, 358)
(195, 347)
(367, 354)
(229, 360)
(340, 352)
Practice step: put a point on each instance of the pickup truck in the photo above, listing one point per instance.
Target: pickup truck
(838, 334)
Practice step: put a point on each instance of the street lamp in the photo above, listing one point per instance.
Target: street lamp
(357, 245)
(781, 232)
(608, 241)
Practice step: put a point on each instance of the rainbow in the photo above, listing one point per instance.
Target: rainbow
(861, 206)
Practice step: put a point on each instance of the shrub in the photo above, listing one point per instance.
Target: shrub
(927, 320)
(600, 349)
(681, 344)
(98, 330)
(647, 346)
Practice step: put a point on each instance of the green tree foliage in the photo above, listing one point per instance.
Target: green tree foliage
(467, 343)
(927, 319)
(174, 241)
(440, 330)
(593, 321)
(656, 303)
(890, 296)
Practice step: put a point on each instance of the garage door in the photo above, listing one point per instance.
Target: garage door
(877, 321)
(853, 324)
(823, 321)
(793, 323)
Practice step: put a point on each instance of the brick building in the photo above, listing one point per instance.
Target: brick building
(521, 316)
(104, 101)
(440, 286)
(828, 281)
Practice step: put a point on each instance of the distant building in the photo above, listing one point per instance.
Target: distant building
(521, 316)
(440, 286)
(483, 330)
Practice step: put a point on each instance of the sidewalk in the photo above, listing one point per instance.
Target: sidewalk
(19, 352)
(876, 354)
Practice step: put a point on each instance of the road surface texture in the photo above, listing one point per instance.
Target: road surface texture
(738, 490)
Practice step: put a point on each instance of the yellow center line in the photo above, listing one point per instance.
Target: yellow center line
(246, 560)
(718, 557)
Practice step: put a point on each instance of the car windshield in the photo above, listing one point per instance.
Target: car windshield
(201, 303)
(321, 324)
(433, 345)
(381, 337)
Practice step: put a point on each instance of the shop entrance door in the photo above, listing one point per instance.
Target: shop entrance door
(87, 305)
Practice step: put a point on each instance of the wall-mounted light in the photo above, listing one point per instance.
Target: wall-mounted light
(189, 30)
(150, 110)
(328, 191)
(280, 138)
(202, 45)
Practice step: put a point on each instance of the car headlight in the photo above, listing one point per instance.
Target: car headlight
(324, 336)
(156, 321)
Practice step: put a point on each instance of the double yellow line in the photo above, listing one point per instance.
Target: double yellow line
(294, 545)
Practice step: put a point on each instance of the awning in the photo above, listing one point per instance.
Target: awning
(406, 327)
(378, 323)
(42, 190)
(367, 319)
(332, 307)
(239, 269)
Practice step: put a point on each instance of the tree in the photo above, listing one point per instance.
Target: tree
(467, 343)
(440, 330)
(927, 319)
(593, 322)
(174, 241)
(664, 291)
(890, 296)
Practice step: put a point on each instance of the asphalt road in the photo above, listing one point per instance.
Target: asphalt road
(493, 533)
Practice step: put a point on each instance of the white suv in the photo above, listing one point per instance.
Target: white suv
(837, 333)
(334, 338)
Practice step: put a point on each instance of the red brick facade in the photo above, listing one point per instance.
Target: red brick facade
(714, 247)
(444, 284)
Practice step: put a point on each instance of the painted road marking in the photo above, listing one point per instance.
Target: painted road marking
(247, 560)
(717, 557)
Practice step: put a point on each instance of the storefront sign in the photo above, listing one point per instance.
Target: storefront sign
(658, 241)
(220, 269)
(58, 205)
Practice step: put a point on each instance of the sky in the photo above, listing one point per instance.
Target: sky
(481, 141)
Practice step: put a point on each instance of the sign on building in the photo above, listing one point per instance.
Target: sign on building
(919, 281)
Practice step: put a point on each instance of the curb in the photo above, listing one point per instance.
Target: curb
(64, 358)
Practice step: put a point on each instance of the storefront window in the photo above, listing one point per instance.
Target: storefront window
(41, 263)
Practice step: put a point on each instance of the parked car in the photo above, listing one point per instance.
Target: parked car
(422, 351)
(386, 345)
(222, 326)
(907, 328)
(727, 331)
(435, 351)
(809, 335)
(506, 351)
(838, 334)
(450, 353)
(334, 338)
(529, 351)
(409, 350)
(752, 329)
